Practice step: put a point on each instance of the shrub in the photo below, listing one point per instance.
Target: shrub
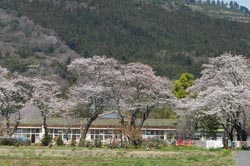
(88, 144)
(14, 141)
(153, 143)
(136, 138)
(59, 141)
(98, 143)
(46, 140)
(114, 143)
(157, 143)
(73, 142)
(8, 141)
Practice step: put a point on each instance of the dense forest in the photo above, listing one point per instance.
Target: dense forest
(169, 36)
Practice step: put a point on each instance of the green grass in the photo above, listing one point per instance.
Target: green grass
(70, 156)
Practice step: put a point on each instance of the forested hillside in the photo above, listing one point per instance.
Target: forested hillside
(167, 35)
(32, 50)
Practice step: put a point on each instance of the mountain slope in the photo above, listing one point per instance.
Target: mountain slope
(240, 14)
(29, 49)
(167, 35)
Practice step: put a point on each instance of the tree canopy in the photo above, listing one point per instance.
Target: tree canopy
(223, 93)
(180, 86)
(105, 84)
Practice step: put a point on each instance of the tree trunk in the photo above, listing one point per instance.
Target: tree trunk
(244, 135)
(244, 131)
(17, 122)
(240, 126)
(230, 129)
(15, 126)
(7, 124)
(97, 106)
(84, 133)
(241, 133)
(90, 119)
(122, 121)
(231, 135)
(133, 118)
(145, 115)
(44, 122)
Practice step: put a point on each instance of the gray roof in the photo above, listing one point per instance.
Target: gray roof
(66, 122)
(30, 112)
(31, 117)
(63, 122)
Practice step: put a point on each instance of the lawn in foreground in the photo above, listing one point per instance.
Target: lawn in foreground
(76, 156)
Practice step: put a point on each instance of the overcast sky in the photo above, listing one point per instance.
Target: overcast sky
(245, 3)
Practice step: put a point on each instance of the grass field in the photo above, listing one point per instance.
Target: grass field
(76, 156)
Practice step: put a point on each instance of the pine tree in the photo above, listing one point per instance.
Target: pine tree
(46, 139)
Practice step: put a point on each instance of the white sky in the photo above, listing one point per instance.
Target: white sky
(245, 3)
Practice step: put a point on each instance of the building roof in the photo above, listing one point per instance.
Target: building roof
(30, 112)
(31, 117)
(105, 123)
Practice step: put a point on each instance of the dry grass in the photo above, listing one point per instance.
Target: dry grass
(67, 156)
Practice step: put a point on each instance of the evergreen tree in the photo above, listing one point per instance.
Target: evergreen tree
(47, 139)
(186, 80)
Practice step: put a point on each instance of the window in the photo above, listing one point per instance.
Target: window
(26, 130)
(19, 131)
(110, 131)
(150, 132)
(75, 131)
(33, 130)
(161, 132)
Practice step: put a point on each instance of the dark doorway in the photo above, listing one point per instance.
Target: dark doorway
(33, 138)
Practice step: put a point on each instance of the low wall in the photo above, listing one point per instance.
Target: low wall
(214, 144)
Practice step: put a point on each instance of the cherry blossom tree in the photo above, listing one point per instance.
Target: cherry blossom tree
(139, 92)
(13, 96)
(104, 83)
(223, 92)
(17, 91)
(144, 91)
(92, 88)
(46, 95)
